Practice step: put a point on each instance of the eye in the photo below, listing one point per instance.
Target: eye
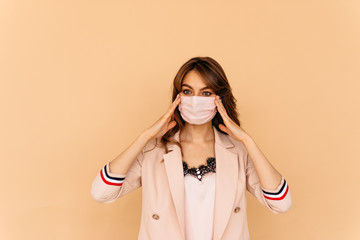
(208, 93)
(184, 91)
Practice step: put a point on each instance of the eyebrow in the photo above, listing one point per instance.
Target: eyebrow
(192, 88)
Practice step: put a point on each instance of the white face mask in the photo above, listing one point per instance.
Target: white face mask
(197, 109)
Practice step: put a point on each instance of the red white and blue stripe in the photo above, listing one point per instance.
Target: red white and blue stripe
(116, 181)
(278, 195)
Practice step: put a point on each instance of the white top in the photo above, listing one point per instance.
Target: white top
(199, 206)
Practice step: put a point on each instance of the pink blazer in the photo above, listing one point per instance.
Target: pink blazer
(161, 177)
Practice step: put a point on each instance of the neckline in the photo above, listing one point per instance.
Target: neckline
(199, 172)
(208, 162)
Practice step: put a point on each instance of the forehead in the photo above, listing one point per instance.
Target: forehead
(194, 79)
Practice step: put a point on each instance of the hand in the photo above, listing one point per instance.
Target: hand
(231, 127)
(161, 126)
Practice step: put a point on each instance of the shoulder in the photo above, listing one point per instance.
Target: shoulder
(152, 145)
(239, 146)
(236, 142)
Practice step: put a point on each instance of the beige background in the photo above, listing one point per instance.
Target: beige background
(81, 79)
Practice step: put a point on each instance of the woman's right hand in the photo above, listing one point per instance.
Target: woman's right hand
(161, 126)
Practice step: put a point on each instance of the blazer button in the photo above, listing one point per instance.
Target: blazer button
(237, 209)
(155, 216)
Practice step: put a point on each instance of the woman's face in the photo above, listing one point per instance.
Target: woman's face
(194, 85)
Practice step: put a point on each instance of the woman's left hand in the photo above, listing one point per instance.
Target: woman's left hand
(230, 126)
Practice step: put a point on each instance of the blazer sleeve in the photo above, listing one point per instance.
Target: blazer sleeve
(277, 200)
(108, 186)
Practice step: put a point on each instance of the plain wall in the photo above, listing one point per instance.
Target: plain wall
(81, 79)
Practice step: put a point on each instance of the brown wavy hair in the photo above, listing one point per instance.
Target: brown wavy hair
(215, 79)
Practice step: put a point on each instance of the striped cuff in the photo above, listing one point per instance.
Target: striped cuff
(109, 178)
(277, 194)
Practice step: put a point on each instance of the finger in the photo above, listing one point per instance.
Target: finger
(176, 98)
(222, 111)
(223, 128)
(219, 107)
(171, 125)
(220, 103)
(173, 106)
(222, 107)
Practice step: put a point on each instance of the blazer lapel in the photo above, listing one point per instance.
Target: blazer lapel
(175, 174)
(225, 183)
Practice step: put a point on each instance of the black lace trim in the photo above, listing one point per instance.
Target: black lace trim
(201, 170)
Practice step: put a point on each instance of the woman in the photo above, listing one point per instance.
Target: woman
(194, 164)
